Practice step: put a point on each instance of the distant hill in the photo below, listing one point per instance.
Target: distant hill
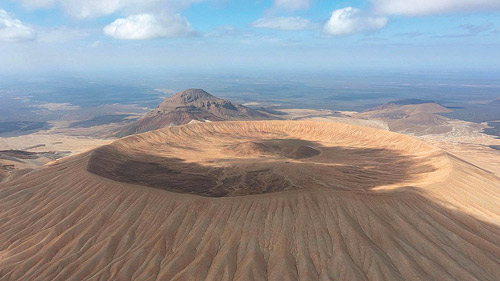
(405, 108)
(392, 104)
(495, 102)
(189, 105)
(411, 116)
(411, 101)
(477, 112)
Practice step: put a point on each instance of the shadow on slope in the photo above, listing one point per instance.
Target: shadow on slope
(353, 236)
(286, 165)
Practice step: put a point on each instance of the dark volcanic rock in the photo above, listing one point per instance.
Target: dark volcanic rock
(191, 104)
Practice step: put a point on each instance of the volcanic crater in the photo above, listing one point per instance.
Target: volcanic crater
(248, 201)
(248, 158)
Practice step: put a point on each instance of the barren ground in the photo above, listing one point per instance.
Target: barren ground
(348, 203)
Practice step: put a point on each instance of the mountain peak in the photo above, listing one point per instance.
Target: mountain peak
(191, 95)
(188, 105)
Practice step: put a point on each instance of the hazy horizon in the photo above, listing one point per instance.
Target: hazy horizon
(129, 36)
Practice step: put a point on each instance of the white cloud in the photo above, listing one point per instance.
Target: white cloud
(477, 28)
(283, 23)
(148, 26)
(350, 20)
(292, 4)
(223, 31)
(425, 7)
(91, 8)
(38, 4)
(83, 9)
(13, 30)
(95, 44)
(61, 34)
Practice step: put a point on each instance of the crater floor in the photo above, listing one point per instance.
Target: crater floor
(247, 158)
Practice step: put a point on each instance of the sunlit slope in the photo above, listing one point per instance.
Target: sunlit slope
(191, 105)
(267, 200)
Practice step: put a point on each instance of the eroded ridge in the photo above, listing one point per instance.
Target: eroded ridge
(247, 158)
(63, 223)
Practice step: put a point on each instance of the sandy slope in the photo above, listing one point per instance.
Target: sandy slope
(373, 205)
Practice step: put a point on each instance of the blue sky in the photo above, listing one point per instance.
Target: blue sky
(108, 35)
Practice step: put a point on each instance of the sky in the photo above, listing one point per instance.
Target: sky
(235, 35)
